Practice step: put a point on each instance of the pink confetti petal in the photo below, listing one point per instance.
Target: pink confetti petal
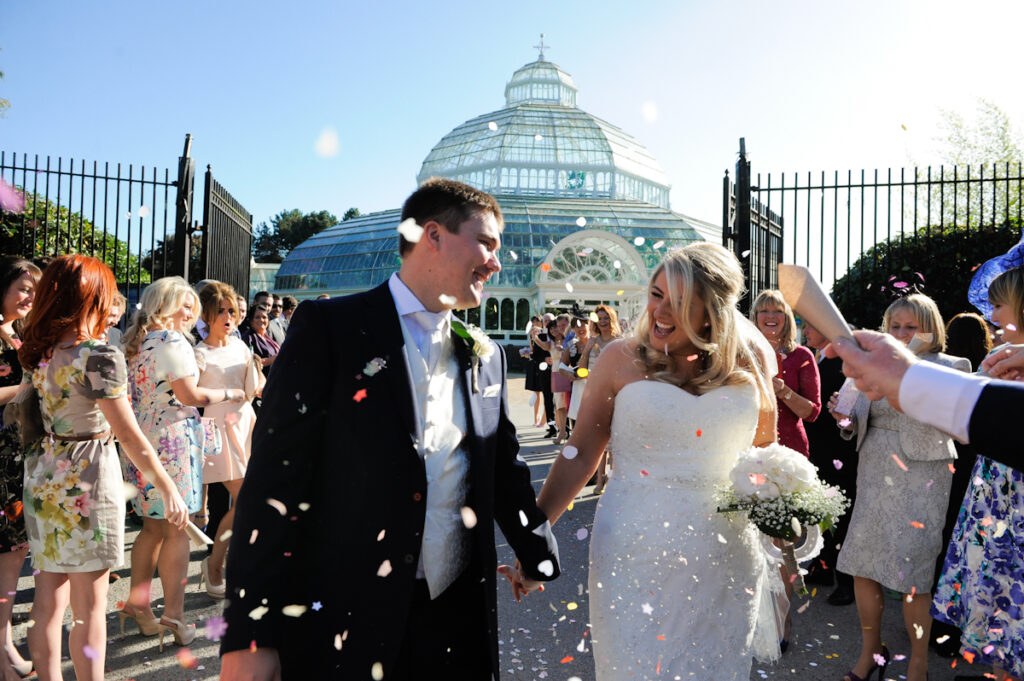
(11, 199)
(837, 463)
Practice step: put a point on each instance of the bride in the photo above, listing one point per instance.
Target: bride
(675, 587)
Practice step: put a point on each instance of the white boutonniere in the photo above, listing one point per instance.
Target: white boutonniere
(481, 347)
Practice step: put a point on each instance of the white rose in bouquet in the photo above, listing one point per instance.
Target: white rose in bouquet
(768, 472)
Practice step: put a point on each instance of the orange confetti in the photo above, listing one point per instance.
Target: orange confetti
(660, 637)
(956, 586)
(360, 395)
(657, 670)
(545, 267)
(969, 656)
(567, 659)
(914, 523)
(952, 468)
(644, 473)
(186, 659)
(699, 432)
(899, 463)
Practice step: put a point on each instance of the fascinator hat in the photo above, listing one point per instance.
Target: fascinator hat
(977, 293)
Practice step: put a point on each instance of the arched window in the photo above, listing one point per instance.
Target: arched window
(491, 314)
(473, 316)
(522, 313)
(508, 314)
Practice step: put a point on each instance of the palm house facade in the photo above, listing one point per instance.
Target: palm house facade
(586, 211)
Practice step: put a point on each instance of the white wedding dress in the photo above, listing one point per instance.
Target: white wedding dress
(677, 590)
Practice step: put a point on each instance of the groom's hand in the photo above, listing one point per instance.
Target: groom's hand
(521, 584)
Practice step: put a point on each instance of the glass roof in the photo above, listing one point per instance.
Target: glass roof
(363, 252)
(542, 145)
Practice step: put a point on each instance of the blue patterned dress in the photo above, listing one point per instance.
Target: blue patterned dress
(174, 430)
(981, 590)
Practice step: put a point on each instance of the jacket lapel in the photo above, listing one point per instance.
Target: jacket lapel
(385, 332)
(466, 376)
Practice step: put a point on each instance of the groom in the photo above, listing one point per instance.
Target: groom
(363, 540)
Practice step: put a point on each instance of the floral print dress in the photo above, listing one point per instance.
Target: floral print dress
(981, 590)
(12, 461)
(174, 430)
(74, 492)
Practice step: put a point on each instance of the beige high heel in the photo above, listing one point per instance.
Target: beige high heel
(183, 633)
(217, 591)
(147, 626)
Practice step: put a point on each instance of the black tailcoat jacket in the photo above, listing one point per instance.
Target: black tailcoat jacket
(329, 521)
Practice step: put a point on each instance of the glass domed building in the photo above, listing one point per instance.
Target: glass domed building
(586, 211)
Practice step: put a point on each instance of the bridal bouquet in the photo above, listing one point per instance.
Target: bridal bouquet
(781, 493)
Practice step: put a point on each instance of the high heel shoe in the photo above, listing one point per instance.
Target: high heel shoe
(217, 591)
(183, 633)
(148, 626)
(880, 667)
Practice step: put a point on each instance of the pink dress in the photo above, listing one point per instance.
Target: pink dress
(220, 368)
(800, 374)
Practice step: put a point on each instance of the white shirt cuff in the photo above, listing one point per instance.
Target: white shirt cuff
(941, 397)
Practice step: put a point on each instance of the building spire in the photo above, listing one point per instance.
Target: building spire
(541, 47)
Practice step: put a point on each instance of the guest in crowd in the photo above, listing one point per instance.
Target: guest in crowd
(979, 591)
(606, 329)
(116, 312)
(836, 460)
(257, 337)
(967, 336)
(280, 322)
(798, 386)
(572, 354)
(74, 492)
(540, 354)
(18, 278)
(274, 328)
(903, 483)
(535, 377)
(560, 385)
(163, 380)
(242, 308)
(223, 361)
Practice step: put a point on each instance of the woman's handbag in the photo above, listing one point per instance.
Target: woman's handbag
(254, 378)
(24, 411)
(212, 443)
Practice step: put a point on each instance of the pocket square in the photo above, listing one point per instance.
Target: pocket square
(492, 390)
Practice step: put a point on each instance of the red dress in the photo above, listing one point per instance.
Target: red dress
(800, 374)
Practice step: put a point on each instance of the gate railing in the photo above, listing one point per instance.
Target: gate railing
(227, 237)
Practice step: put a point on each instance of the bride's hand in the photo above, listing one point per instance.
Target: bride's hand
(521, 584)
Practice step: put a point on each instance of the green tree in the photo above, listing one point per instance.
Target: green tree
(45, 228)
(154, 263)
(352, 212)
(940, 263)
(287, 230)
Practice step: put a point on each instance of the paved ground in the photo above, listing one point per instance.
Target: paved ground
(545, 637)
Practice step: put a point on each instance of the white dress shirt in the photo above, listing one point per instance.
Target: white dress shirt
(408, 304)
(941, 397)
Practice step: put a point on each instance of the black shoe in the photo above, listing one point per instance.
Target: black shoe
(551, 432)
(843, 595)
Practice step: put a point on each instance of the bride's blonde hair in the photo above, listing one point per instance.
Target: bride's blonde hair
(160, 300)
(728, 352)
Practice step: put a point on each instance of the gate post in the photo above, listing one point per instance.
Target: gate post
(183, 210)
(741, 225)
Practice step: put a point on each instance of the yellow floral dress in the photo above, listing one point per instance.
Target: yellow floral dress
(74, 492)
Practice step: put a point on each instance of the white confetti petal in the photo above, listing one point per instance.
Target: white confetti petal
(570, 452)
(492, 126)
(327, 144)
(582, 533)
(380, 536)
(468, 517)
(293, 610)
(258, 612)
(304, 506)
(143, 211)
(523, 520)
(581, 222)
(410, 230)
(568, 287)
(253, 536)
(377, 671)
(639, 241)
(446, 299)
(538, 137)
(512, 254)
(658, 244)
(543, 366)
(385, 569)
(546, 568)
(278, 506)
(617, 264)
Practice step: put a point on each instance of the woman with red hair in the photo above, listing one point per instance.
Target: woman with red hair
(74, 492)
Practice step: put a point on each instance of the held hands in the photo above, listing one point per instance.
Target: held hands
(521, 584)
(1007, 365)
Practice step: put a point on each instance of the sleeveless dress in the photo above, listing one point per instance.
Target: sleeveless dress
(74, 492)
(678, 590)
(173, 429)
(225, 367)
(12, 459)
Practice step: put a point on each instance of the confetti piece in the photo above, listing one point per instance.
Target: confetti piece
(837, 463)
(143, 212)
(409, 229)
(492, 126)
(899, 463)
(617, 264)
(845, 423)
(968, 655)
(253, 536)
(214, 628)
(337, 641)
(988, 649)
(582, 373)
(89, 652)
(545, 267)
(567, 659)
(258, 612)
(546, 568)
(385, 569)
(722, 540)
(317, 606)
(295, 610)
(360, 395)
(185, 658)
(880, 659)
(744, 254)
(278, 506)
(11, 199)
(644, 473)
(571, 606)
(570, 452)
(512, 254)
(523, 520)
(538, 137)
(619, 292)
(468, 517)
(914, 523)
(918, 630)
(377, 671)
(543, 366)
(581, 533)
(952, 468)
(691, 358)
(639, 241)
(699, 432)
(568, 287)
(446, 299)
(647, 608)
(942, 639)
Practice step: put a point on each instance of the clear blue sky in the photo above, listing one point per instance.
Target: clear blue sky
(811, 85)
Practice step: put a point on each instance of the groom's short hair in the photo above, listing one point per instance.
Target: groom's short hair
(448, 203)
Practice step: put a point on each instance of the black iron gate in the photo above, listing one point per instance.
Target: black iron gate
(828, 221)
(136, 219)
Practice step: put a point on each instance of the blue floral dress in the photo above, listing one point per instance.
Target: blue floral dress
(981, 590)
(74, 492)
(174, 430)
